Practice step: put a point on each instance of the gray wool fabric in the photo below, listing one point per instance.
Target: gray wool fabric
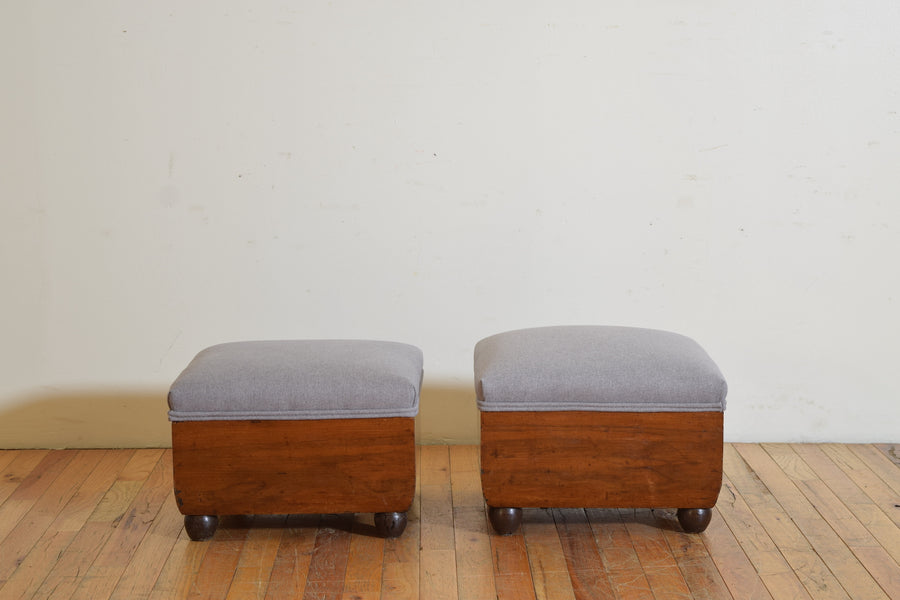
(299, 379)
(596, 368)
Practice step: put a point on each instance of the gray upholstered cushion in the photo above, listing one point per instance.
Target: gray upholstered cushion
(300, 379)
(596, 368)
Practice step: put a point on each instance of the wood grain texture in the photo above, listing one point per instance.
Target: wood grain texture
(601, 459)
(31, 572)
(588, 567)
(660, 565)
(854, 515)
(811, 569)
(180, 569)
(362, 580)
(881, 493)
(892, 451)
(6, 458)
(779, 466)
(290, 467)
(254, 568)
(762, 552)
(400, 579)
(472, 538)
(550, 572)
(142, 572)
(291, 566)
(33, 524)
(118, 552)
(697, 567)
(437, 573)
(328, 566)
(72, 568)
(17, 466)
(512, 571)
(626, 575)
(792, 521)
(30, 487)
(879, 462)
(216, 569)
(737, 570)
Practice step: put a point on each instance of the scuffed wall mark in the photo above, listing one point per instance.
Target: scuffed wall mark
(719, 147)
(169, 195)
(169, 349)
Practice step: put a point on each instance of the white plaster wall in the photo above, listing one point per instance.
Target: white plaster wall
(177, 174)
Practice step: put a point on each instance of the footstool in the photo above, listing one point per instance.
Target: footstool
(301, 426)
(600, 417)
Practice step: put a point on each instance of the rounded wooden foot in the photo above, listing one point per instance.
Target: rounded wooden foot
(200, 527)
(694, 520)
(390, 524)
(505, 520)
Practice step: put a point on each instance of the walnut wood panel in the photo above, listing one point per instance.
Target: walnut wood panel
(285, 467)
(601, 459)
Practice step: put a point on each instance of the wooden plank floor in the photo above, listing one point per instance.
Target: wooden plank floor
(792, 521)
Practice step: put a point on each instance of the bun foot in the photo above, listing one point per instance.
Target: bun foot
(390, 524)
(200, 527)
(694, 520)
(505, 520)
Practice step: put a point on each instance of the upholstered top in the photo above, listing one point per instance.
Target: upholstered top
(299, 379)
(596, 368)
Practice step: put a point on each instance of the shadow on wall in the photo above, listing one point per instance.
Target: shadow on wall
(138, 419)
(448, 415)
(87, 419)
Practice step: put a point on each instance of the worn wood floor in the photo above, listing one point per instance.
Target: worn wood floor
(793, 521)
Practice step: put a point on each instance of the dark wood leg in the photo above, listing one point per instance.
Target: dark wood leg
(200, 527)
(390, 524)
(694, 520)
(505, 520)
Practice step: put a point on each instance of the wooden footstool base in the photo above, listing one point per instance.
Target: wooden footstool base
(294, 467)
(598, 417)
(295, 427)
(573, 459)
